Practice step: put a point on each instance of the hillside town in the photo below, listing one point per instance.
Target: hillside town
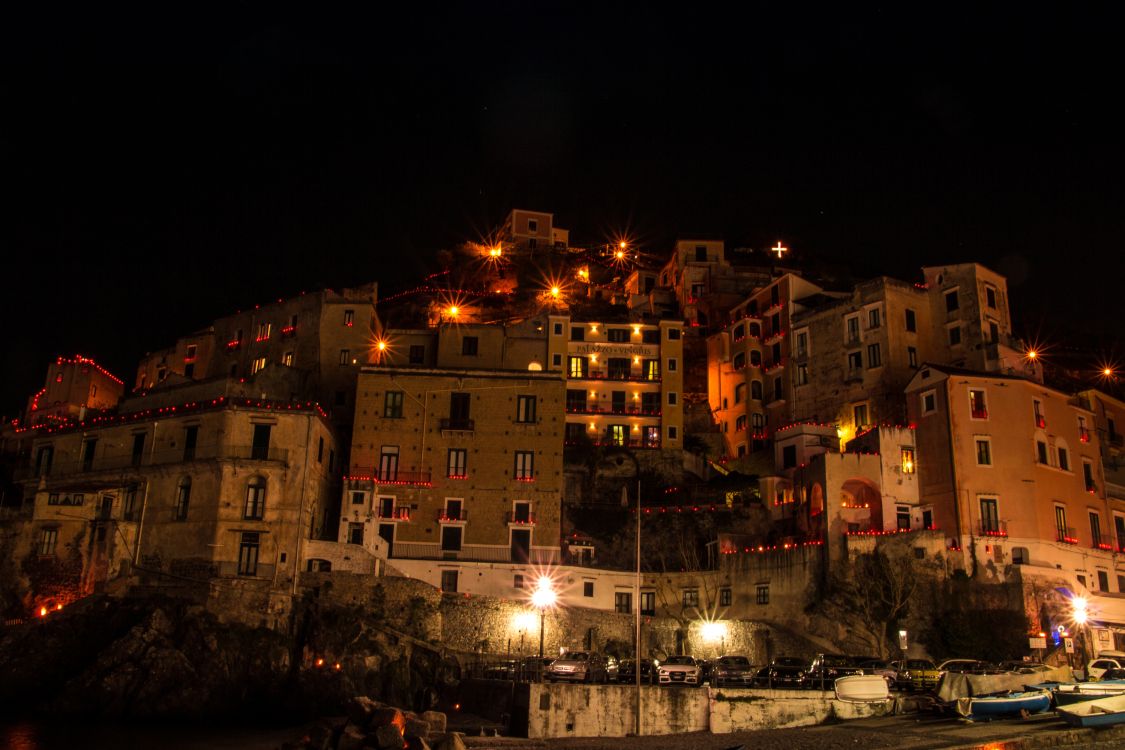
(816, 463)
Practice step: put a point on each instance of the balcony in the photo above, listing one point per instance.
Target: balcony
(452, 517)
(1084, 434)
(979, 413)
(629, 411)
(457, 425)
(603, 375)
(288, 331)
(401, 513)
(1066, 535)
(521, 518)
(389, 476)
(525, 478)
(233, 345)
(1040, 421)
(612, 444)
(993, 528)
(1102, 542)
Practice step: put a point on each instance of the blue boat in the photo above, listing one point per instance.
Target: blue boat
(1100, 712)
(987, 707)
(1068, 694)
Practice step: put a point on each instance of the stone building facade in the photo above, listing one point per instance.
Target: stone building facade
(456, 465)
(74, 386)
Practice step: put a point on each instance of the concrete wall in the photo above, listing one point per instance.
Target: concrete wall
(609, 710)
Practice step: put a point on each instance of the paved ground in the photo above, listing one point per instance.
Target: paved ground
(912, 732)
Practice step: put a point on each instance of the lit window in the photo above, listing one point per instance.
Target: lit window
(984, 451)
(392, 405)
(525, 409)
(691, 597)
(255, 499)
(258, 366)
(263, 332)
(525, 465)
(345, 356)
(349, 317)
(248, 553)
(907, 460)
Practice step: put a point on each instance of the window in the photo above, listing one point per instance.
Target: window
(532, 226)
(756, 358)
(1064, 459)
(345, 356)
(575, 400)
(263, 332)
(189, 371)
(459, 409)
(911, 321)
(622, 602)
(852, 328)
(671, 365)
(778, 391)
(758, 421)
(739, 361)
(989, 519)
(802, 374)
(1061, 529)
(449, 581)
(673, 334)
(929, 402)
(183, 497)
(648, 603)
(672, 433)
(578, 367)
(724, 597)
(260, 443)
(1088, 475)
(525, 465)
(248, 547)
(388, 463)
(739, 332)
(451, 538)
(556, 360)
(911, 356)
(255, 499)
(469, 346)
(990, 297)
(859, 412)
(756, 390)
(873, 318)
(392, 405)
(984, 451)
(907, 460)
(258, 365)
(48, 540)
(788, 456)
(763, 594)
(951, 302)
(287, 359)
(355, 533)
(874, 358)
(455, 463)
(417, 354)
(587, 588)
(740, 393)
(977, 407)
(349, 317)
(453, 511)
(651, 336)
(577, 333)
(802, 345)
(1103, 580)
(358, 498)
(651, 369)
(673, 399)
(691, 597)
(517, 581)
(1041, 454)
(191, 350)
(617, 368)
(855, 362)
(775, 354)
(955, 335)
(740, 423)
(1095, 529)
(618, 335)
(775, 295)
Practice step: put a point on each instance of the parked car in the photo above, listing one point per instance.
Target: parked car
(826, 668)
(732, 670)
(534, 668)
(968, 666)
(578, 666)
(1023, 667)
(783, 672)
(627, 671)
(679, 670)
(612, 669)
(505, 670)
(1106, 660)
(881, 667)
(917, 674)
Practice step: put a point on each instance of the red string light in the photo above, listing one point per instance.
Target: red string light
(78, 359)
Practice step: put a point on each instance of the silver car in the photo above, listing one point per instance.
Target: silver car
(578, 666)
(680, 670)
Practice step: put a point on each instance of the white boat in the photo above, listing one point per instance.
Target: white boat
(1084, 691)
(1099, 712)
(862, 688)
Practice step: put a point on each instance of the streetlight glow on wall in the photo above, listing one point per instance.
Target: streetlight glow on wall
(543, 597)
(1080, 613)
(713, 630)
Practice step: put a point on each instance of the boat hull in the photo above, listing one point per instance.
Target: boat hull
(862, 688)
(995, 707)
(1099, 712)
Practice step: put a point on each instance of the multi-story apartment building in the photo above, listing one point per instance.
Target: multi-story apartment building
(1108, 414)
(73, 386)
(703, 281)
(972, 325)
(529, 231)
(223, 487)
(324, 335)
(456, 465)
(624, 381)
(1010, 470)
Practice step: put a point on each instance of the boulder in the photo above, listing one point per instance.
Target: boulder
(351, 739)
(417, 728)
(388, 716)
(389, 737)
(361, 709)
(436, 720)
(451, 741)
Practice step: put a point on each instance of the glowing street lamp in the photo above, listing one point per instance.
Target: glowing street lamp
(1079, 612)
(543, 597)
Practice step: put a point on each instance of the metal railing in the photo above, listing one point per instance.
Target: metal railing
(390, 476)
(457, 425)
(1066, 535)
(634, 411)
(993, 527)
(446, 517)
(402, 513)
(524, 518)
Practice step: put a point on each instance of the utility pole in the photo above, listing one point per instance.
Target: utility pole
(638, 590)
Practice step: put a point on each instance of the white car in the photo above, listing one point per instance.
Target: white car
(680, 670)
(1106, 661)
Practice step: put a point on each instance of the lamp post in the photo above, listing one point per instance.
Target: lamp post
(543, 597)
(637, 599)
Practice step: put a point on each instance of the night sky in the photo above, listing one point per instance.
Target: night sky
(160, 171)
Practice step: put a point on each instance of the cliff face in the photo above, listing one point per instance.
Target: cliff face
(158, 658)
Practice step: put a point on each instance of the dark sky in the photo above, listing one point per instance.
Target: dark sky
(161, 170)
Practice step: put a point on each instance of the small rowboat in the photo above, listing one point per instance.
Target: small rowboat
(986, 707)
(1066, 695)
(862, 688)
(1100, 712)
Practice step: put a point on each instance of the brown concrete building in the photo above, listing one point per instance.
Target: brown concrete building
(1010, 471)
(226, 487)
(453, 465)
(1109, 413)
(528, 231)
(624, 381)
(74, 386)
(326, 336)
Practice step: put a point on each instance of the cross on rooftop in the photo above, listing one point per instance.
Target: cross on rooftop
(780, 249)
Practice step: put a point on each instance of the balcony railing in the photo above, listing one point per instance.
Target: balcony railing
(1040, 421)
(632, 411)
(603, 375)
(1102, 542)
(979, 413)
(450, 517)
(401, 513)
(993, 528)
(457, 425)
(1066, 535)
(1084, 434)
(524, 518)
(617, 444)
(389, 476)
